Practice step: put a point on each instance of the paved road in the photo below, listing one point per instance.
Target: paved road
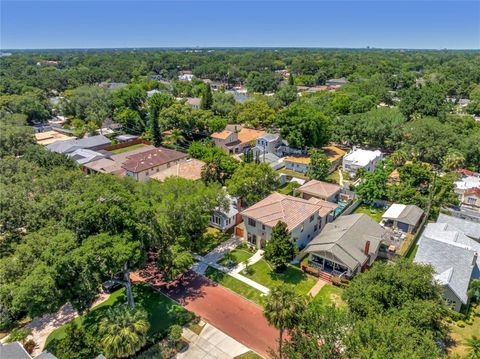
(229, 312)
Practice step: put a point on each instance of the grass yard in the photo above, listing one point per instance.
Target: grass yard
(330, 294)
(249, 355)
(236, 256)
(459, 335)
(288, 188)
(128, 148)
(335, 177)
(211, 239)
(375, 213)
(235, 285)
(262, 273)
(292, 173)
(162, 313)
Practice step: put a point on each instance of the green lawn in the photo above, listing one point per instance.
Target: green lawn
(375, 213)
(335, 177)
(288, 188)
(211, 239)
(162, 312)
(249, 355)
(235, 285)
(128, 148)
(330, 294)
(263, 274)
(237, 256)
(459, 335)
(292, 173)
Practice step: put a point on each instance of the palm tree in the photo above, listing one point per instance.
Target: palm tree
(283, 308)
(174, 137)
(123, 331)
(473, 344)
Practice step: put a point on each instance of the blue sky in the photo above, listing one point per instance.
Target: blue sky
(386, 24)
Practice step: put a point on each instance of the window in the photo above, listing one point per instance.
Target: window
(471, 200)
(312, 217)
(251, 222)
(158, 169)
(168, 165)
(263, 226)
(146, 173)
(315, 228)
(302, 228)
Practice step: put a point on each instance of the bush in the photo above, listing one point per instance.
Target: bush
(461, 324)
(469, 322)
(30, 345)
(19, 335)
(448, 320)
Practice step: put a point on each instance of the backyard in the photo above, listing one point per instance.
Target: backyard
(162, 313)
(128, 148)
(234, 285)
(262, 273)
(374, 212)
(293, 173)
(460, 335)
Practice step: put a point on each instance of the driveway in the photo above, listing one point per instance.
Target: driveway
(227, 311)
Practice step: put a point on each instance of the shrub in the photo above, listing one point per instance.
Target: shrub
(448, 320)
(461, 324)
(19, 335)
(30, 345)
(469, 322)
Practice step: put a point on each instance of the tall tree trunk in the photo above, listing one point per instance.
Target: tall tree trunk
(280, 343)
(128, 286)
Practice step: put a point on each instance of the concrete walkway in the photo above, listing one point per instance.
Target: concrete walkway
(215, 254)
(211, 259)
(316, 288)
(211, 344)
(340, 180)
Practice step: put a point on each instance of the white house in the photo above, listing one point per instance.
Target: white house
(468, 190)
(267, 143)
(358, 158)
(226, 218)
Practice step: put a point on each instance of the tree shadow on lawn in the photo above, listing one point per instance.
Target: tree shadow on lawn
(186, 288)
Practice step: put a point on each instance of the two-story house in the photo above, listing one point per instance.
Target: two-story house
(235, 142)
(304, 218)
(358, 158)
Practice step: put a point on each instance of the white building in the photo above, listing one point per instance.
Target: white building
(358, 158)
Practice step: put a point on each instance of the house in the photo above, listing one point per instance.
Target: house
(226, 218)
(48, 137)
(142, 165)
(469, 228)
(113, 163)
(83, 155)
(454, 258)
(186, 75)
(468, 189)
(273, 160)
(297, 163)
(346, 246)
(406, 218)
(284, 149)
(126, 138)
(267, 143)
(302, 163)
(304, 218)
(194, 102)
(233, 142)
(190, 169)
(336, 82)
(317, 189)
(358, 158)
(91, 143)
(16, 350)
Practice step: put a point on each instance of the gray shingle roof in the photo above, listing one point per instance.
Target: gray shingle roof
(470, 228)
(409, 214)
(345, 238)
(451, 254)
(72, 145)
(46, 355)
(13, 351)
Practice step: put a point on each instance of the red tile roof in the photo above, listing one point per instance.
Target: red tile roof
(153, 158)
(474, 190)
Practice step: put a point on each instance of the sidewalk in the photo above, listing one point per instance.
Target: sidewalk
(211, 343)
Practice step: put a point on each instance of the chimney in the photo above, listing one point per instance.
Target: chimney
(475, 257)
(367, 248)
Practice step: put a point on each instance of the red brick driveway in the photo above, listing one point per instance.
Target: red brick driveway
(229, 312)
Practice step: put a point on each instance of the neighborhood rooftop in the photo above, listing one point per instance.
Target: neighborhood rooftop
(319, 188)
(361, 157)
(73, 144)
(156, 157)
(190, 169)
(291, 210)
(346, 239)
(471, 229)
(409, 214)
